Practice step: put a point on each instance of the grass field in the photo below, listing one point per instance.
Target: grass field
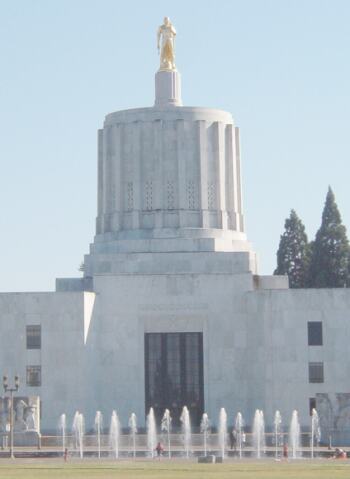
(91, 469)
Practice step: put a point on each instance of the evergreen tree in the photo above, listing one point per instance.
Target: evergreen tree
(293, 252)
(330, 258)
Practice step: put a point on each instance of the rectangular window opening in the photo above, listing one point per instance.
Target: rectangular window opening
(34, 376)
(314, 333)
(34, 337)
(316, 374)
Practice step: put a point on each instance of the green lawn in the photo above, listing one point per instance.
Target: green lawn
(91, 469)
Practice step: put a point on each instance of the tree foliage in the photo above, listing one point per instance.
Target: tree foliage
(293, 252)
(330, 258)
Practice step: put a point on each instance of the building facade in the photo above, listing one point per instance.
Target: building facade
(171, 310)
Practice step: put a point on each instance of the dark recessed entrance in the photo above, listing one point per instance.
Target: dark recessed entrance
(174, 374)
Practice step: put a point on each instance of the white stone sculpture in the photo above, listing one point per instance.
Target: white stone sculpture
(30, 419)
(20, 424)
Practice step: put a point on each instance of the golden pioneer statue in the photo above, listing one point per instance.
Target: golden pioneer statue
(166, 45)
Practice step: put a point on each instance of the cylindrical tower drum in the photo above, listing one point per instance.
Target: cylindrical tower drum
(176, 168)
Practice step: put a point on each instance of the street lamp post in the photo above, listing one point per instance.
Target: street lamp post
(10, 390)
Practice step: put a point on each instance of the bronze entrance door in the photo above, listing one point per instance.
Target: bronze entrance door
(174, 374)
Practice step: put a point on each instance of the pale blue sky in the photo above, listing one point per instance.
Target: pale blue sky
(281, 67)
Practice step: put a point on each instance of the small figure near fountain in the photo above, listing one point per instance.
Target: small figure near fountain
(339, 453)
(159, 450)
(233, 439)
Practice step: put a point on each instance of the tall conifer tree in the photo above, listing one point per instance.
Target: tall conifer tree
(293, 252)
(330, 251)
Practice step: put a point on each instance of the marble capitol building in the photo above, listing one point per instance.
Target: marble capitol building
(171, 310)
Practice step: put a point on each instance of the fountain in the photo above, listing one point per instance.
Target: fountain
(186, 430)
(151, 433)
(239, 430)
(98, 427)
(78, 431)
(166, 427)
(114, 434)
(259, 433)
(315, 431)
(277, 431)
(205, 428)
(222, 432)
(62, 426)
(294, 435)
(133, 432)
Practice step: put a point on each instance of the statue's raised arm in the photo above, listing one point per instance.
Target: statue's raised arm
(166, 45)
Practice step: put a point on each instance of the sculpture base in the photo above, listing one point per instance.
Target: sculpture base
(26, 439)
(168, 88)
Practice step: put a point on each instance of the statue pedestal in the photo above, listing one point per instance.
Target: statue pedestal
(168, 88)
(26, 439)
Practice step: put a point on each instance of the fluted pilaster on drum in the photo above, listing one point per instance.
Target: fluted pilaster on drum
(239, 180)
(99, 226)
(233, 180)
(181, 169)
(133, 191)
(201, 148)
(114, 170)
